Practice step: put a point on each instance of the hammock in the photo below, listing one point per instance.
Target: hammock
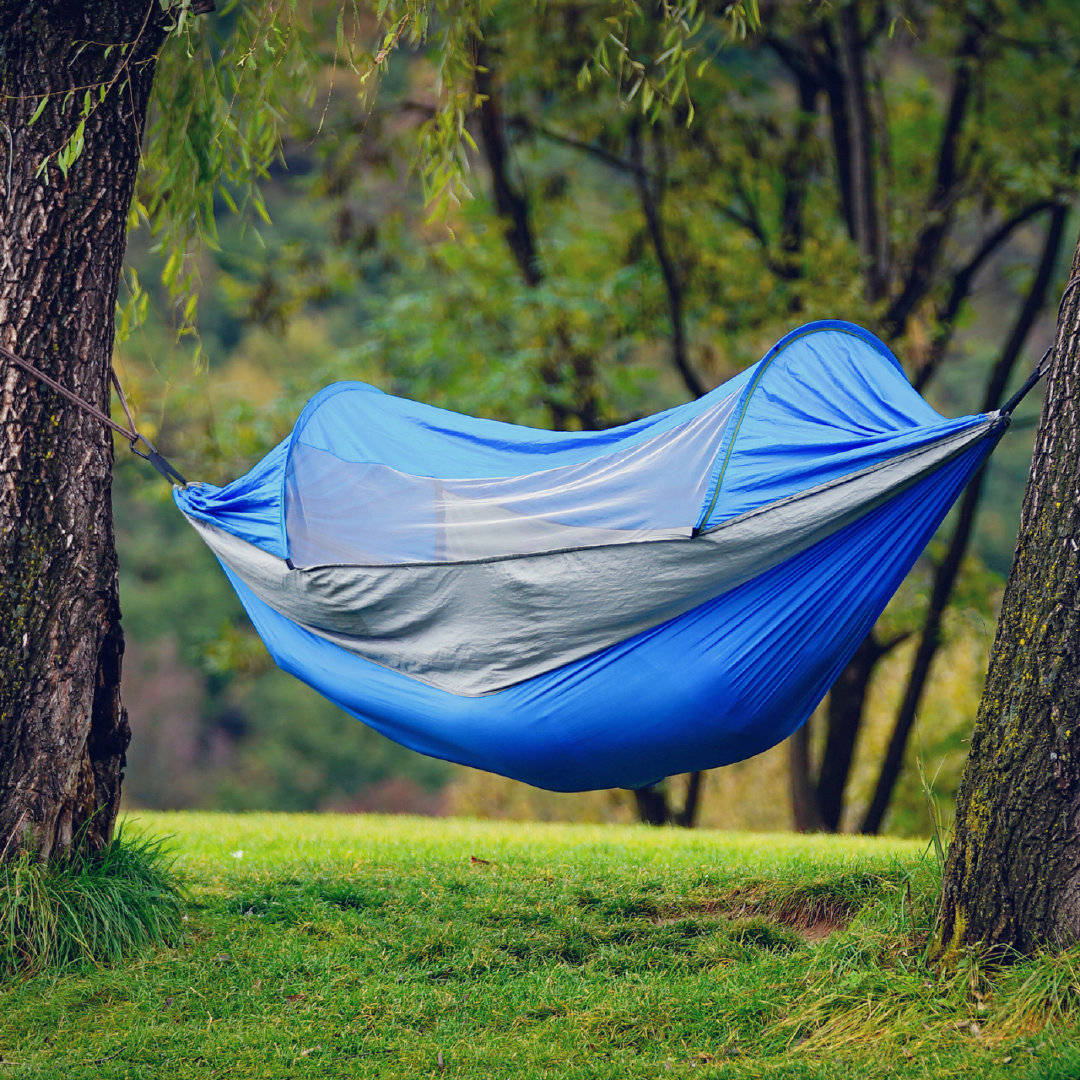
(585, 610)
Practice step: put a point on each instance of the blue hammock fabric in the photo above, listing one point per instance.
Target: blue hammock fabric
(585, 610)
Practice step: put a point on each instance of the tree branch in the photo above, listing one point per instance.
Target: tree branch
(948, 178)
(651, 203)
(198, 7)
(832, 83)
(962, 283)
(869, 231)
(894, 641)
(801, 59)
(749, 222)
(523, 124)
(795, 170)
(510, 203)
(749, 219)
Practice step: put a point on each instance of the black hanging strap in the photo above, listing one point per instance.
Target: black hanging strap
(130, 433)
(1043, 366)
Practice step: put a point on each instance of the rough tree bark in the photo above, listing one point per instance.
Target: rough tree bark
(63, 729)
(1013, 872)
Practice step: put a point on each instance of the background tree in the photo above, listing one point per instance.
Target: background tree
(920, 285)
(807, 164)
(640, 226)
(599, 251)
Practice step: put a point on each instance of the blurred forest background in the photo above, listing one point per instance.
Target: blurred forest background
(910, 167)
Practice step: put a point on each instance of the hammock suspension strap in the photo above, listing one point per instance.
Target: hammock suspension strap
(1043, 366)
(140, 445)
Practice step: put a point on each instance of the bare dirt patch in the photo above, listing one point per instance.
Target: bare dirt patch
(813, 920)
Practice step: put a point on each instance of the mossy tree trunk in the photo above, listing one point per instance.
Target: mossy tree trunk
(63, 729)
(1013, 871)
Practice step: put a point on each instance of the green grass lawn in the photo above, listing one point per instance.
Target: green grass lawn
(399, 947)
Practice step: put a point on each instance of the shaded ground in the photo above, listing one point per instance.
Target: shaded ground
(381, 947)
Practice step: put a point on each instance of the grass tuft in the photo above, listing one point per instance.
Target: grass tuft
(95, 907)
(1041, 991)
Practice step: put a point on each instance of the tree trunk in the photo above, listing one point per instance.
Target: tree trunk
(655, 808)
(846, 710)
(1013, 872)
(652, 805)
(863, 159)
(511, 204)
(63, 729)
(686, 818)
(817, 800)
(804, 810)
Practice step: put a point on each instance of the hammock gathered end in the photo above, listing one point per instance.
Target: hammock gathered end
(585, 610)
